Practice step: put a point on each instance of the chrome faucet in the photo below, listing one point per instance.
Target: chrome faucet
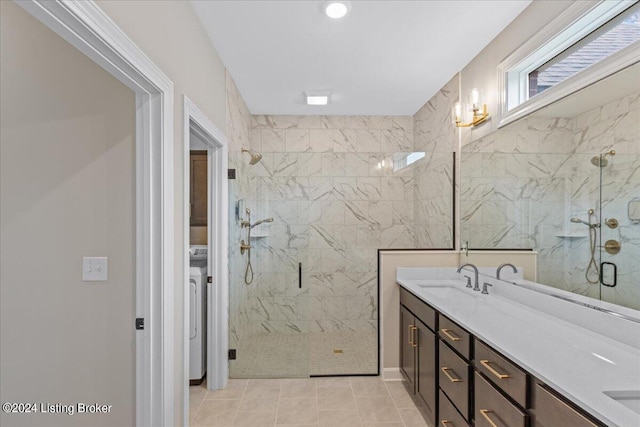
(485, 288)
(501, 266)
(475, 270)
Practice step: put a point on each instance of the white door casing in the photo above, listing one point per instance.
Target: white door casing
(217, 292)
(84, 25)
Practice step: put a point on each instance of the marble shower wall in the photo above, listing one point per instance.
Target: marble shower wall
(522, 184)
(321, 178)
(434, 134)
(237, 132)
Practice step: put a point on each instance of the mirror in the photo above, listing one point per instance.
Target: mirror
(555, 180)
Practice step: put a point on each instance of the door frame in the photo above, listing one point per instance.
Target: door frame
(217, 241)
(84, 25)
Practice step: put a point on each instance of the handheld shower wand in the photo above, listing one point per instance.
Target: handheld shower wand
(592, 246)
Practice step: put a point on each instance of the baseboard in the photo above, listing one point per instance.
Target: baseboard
(392, 374)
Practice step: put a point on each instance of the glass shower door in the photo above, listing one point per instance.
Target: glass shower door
(620, 229)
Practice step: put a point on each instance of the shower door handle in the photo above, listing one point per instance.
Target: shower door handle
(615, 274)
(300, 275)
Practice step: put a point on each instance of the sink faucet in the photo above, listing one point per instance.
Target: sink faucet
(475, 270)
(501, 266)
(485, 288)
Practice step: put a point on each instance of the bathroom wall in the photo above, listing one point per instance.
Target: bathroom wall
(522, 184)
(172, 36)
(434, 134)
(67, 190)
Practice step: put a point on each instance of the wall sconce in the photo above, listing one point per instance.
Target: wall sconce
(479, 110)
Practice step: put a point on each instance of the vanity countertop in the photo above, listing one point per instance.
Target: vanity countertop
(577, 362)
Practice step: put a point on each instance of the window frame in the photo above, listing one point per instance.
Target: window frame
(576, 23)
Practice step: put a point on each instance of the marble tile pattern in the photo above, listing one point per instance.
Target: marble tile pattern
(328, 401)
(329, 184)
(520, 186)
(435, 134)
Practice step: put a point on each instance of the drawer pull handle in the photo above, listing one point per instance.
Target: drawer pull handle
(449, 335)
(445, 422)
(413, 343)
(498, 375)
(485, 413)
(410, 333)
(446, 372)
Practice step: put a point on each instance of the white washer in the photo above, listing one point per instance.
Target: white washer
(197, 292)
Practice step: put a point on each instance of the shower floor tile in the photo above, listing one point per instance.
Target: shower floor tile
(300, 355)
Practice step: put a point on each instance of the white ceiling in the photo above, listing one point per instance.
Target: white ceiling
(383, 58)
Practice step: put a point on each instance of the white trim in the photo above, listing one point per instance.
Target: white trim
(217, 292)
(521, 57)
(392, 374)
(88, 28)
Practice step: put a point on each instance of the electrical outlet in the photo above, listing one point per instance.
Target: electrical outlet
(94, 269)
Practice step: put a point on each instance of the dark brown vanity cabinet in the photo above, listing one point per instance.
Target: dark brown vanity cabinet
(454, 370)
(418, 350)
(475, 384)
(551, 410)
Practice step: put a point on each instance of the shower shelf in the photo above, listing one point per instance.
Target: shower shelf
(572, 236)
(258, 235)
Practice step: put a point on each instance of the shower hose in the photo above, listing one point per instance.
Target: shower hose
(593, 266)
(248, 274)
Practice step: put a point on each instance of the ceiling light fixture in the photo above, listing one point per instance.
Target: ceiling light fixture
(317, 98)
(336, 9)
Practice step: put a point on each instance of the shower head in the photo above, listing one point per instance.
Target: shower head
(601, 160)
(261, 221)
(255, 157)
(579, 221)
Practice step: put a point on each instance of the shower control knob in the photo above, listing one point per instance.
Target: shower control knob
(612, 223)
(611, 246)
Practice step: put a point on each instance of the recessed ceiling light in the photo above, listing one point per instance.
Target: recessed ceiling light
(317, 98)
(336, 9)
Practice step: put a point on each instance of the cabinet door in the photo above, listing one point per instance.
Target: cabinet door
(426, 366)
(551, 411)
(407, 350)
(198, 190)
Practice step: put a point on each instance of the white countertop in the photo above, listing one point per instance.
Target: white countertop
(579, 363)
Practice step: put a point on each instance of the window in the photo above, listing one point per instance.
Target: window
(602, 43)
(582, 45)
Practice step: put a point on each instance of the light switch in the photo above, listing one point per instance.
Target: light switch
(94, 269)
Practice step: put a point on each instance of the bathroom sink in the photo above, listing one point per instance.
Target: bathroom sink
(629, 398)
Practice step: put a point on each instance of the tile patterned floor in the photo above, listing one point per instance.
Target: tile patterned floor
(328, 401)
(299, 355)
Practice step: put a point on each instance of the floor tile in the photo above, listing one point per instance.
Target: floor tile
(216, 413)
(339, 418)
(322, 382)
(255, 419)
(297, 411)
(377, 410)
(368, 387)
(298, 388)
(225, 394)
(336, 398)
(260, 399)
(412, 417)
(399, 394)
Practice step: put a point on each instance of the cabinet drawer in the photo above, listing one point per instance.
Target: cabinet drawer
(453, 377)
(418, 307)
(455, 336)
(551, 411)
(494, 410)
(449, 415)
(504, 374)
